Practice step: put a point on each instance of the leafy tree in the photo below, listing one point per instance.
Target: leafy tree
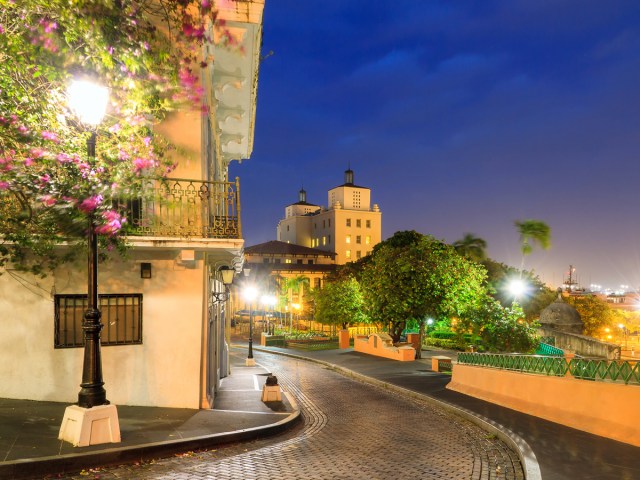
(340, 302)
(472, 247)
(595, 313)
(532, 232)
(416, 276)
(538, 297)
(149, 56)
(504, 329)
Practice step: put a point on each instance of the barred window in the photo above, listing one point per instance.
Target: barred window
(121, 317)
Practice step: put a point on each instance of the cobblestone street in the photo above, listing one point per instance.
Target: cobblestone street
(350, 430)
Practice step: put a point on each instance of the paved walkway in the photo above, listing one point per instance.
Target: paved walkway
(561, 452)
(28, 431)
(351, 430)
(29, 446)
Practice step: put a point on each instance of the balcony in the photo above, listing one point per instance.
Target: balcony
(180, 208)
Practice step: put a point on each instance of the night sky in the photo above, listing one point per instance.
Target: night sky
(461, 116)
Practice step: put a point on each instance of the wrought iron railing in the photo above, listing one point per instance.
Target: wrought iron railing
(581, 368)
(178, 207)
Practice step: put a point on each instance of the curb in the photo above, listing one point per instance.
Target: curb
(32, 467)
(513, 440)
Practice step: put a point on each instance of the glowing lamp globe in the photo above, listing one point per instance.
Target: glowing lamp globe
(88, 101)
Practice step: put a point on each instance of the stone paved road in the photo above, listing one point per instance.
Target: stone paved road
(351, 430)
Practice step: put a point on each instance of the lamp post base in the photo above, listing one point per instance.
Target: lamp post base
(250, 362)
(90, 426)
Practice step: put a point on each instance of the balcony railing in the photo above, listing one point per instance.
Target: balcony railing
(183, 208)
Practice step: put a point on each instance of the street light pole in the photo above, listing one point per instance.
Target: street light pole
(92, 392)
(89, 102)
(250, 294)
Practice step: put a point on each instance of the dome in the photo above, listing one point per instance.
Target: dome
(562, 316)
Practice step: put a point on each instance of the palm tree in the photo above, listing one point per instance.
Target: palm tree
(471, 247)
(532, 232)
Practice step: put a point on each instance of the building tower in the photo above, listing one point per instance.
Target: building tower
(350, 226)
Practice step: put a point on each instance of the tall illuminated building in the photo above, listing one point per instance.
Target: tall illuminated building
(349, 226)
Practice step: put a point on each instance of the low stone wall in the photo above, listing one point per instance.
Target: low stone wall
(602, 408)
(381, 345)
(581, 344)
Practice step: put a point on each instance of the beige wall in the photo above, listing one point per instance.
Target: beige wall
(602, 408)
(163, 371)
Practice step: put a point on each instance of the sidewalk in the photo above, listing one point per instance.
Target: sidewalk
(29, 444)
(556, 452)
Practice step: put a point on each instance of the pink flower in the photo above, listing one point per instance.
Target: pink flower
(142, 163)
(88, 205)
(50, 136)
(113, 223)
(38, 152)
(48, 200)
(4, 186)
(64, 158)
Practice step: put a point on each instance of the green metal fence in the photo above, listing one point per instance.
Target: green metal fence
(582, 368)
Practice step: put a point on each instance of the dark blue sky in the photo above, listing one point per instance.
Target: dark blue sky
(461, 117)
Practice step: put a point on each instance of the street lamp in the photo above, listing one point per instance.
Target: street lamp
(226, 275)
(250, 293)
(269, 301)
(89, 102)
(517, 288)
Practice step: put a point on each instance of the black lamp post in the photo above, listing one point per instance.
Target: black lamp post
(250, 293)
(89, 102)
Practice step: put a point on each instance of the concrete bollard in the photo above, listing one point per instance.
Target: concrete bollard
(271, 390)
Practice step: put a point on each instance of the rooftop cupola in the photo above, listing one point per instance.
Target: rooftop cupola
(348, 177)
(302, 195)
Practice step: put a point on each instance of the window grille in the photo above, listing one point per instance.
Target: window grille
(121, 317)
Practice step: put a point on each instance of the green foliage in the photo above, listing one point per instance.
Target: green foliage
(416, 276)
(594, 312)
(145, 53)
(537, 298)
(340, 302)
(472, 247)
(504, 329)
(533, 232)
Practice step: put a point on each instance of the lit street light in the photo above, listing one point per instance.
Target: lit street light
(517, 288)
(269, 301)
(250, 293)
(89, 102)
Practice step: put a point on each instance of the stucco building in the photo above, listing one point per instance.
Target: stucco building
(350, 226)
(163, 306)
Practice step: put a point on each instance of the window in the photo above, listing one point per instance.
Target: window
(276, 260)
(329, 239)
(348, 254)
(316, 283)
(299, 261)
(358, 239)
(265, 260)
(329, 221)
(368, 223)
(367, 240)
(324, 240)
(348, 222)
(121, 316)
(310, 262)
(348, 239)
(358, 254)
(358, 223)
(287, 228)
(324, 224)
(287, 260)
